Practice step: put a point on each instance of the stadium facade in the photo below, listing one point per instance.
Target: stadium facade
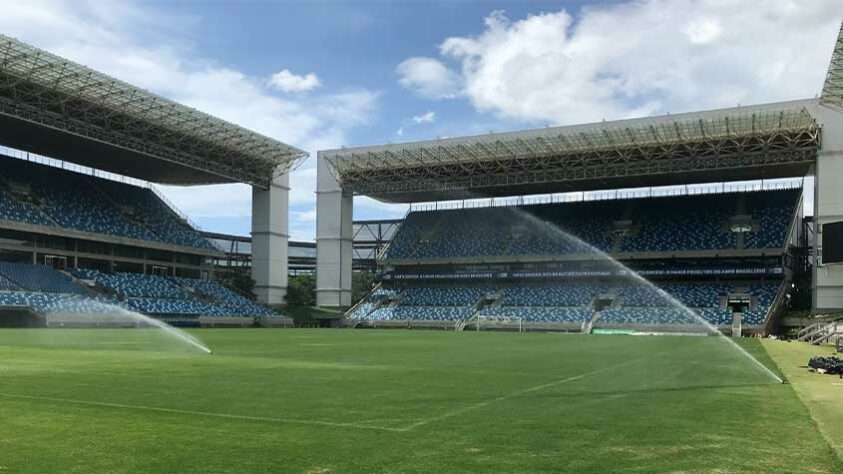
(761, 142)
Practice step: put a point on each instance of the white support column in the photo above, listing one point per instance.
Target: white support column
(270, 219)
(334, 216)
(828, 207)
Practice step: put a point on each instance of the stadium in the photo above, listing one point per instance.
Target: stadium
(588, 298)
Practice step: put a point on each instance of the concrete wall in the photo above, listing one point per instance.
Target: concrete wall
(334, 215)
(828, 207)
(270, 224)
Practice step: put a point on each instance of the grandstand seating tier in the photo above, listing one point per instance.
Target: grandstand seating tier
(659, 224)
(61, 198)
(632, 304)
(47, 290)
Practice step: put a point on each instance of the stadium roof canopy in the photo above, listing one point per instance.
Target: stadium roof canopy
(57, 108)
(832, 94)
(766, 141)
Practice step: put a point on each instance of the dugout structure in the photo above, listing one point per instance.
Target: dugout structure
(775, 140)
(54, 107)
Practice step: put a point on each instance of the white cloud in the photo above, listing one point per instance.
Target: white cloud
(288, 82)
(147, 48)
(427, 117)
(703, 31)
(428, 77)
(416, 120)
(638, 58)
(304, 216)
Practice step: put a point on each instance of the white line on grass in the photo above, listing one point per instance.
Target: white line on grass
(536, 388)
(199, 413)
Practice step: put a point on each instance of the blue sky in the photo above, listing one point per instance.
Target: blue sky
(323, 74)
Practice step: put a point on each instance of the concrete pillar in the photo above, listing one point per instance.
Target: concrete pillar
(270, 221)
(828, 207)
(334, 216)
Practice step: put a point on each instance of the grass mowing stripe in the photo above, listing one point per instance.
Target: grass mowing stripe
(536, 388)
(665, 413)
(198, 413)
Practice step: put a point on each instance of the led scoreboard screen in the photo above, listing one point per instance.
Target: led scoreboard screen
(833, 242)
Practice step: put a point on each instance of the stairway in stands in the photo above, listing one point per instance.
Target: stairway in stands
(587, 326)
(486, 301)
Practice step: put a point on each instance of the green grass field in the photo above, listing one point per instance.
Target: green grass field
(322, 401)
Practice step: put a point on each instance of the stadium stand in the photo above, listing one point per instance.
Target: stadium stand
(773, 213)
(661, 224)
(174, 295)
(234, 303)
(20, 211)
(43, 195)
(7, 285)
(628, 304)
(372, 302)
(431, 313)
(443, 295)
(551, 295)
(133, 285)
(683, 223)
(576, 315)
(63, 303)
(38, 278)
(46, 290)
(145, 207)
(647, 316)
(452, 240)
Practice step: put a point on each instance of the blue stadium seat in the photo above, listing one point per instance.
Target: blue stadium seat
(38, 278)
(542, 314)
(154, 214)
(45, 303)
(636, 304)
(661, 224)
(135, 285)
(61, 198)
(228, 302)
(152, 294)
(443, 295)
(657, 316)
(551, 295)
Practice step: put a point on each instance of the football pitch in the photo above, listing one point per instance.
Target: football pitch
(320, 401)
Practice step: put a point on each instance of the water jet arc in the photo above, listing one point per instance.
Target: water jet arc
(115, 314)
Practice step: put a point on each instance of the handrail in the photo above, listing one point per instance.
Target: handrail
(182, 215)
(804, 332)
(774, 308)
(816, 330)
(347, 314)
(382, 254)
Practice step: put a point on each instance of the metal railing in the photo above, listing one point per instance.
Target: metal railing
(613, 195)
(351, 310)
